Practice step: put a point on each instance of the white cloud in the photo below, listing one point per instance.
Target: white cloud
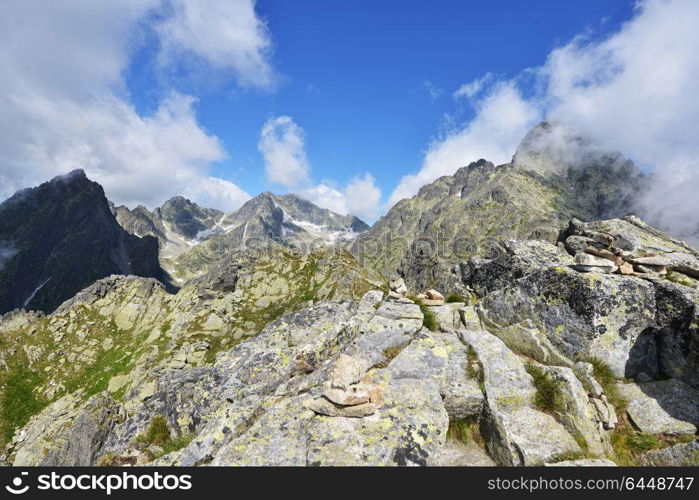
(502, 118)
(64, 105)
(637, 91)
(283, 146)
(227, 34)
(360, 197)
(473, 88)
(433, 91)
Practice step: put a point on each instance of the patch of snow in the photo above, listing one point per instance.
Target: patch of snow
(33, 294)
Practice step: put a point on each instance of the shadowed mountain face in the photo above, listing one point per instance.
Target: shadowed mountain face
(60, 237)
(553, 177)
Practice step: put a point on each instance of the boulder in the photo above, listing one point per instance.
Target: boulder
(585, 262)
(514, 431)
(662, 407)
(606, 316)
(679, 455)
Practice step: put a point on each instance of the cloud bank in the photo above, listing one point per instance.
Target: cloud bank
(64, 103)
(637, 91)
(283, 146)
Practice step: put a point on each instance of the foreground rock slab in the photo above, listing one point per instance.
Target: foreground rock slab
(662, 407)
(515, 432)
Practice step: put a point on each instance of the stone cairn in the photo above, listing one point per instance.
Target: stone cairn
(398, 291)
(349, 392)
(431, 298)
(599, 255)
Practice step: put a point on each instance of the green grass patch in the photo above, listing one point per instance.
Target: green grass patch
(605, 376)
(629, 444)
(455, 297)
(158, 434)
(465, 431)
(19, 402)
(569, 455)
(95, 377)
(549, 397)
(429, 320)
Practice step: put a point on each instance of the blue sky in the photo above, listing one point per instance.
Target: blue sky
(353, 105)
(354, 76)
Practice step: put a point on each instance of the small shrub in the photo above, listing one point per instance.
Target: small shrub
(455, 297)
(605, 376)
(465, 431)
(428, 319)
(548, 395)
(157, 433)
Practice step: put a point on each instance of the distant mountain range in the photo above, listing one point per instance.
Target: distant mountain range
(192, 237)
(63, 235)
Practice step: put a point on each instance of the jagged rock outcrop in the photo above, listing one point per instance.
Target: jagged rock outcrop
(267, 220)
(257, 402)
(640, 323)
(117, 334)
(58, 238)
(466, 214)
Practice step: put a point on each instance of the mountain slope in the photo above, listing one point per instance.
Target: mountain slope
(121, 332)
(424, 238)
(265, 220)
(178, 224)
(60, 237)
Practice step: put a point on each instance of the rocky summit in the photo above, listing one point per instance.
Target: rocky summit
(58, 238)
(554, 176)
(192, 238)
(559, 329)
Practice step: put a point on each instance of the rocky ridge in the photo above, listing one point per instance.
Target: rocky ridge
(366, 382)
(119, 333)
(58, 238)
(424, 238)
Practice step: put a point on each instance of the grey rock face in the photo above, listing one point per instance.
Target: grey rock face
(662, 407)
(69, 434)
(58, 238)
(683, 454)
(515, 432)
(583, 315)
